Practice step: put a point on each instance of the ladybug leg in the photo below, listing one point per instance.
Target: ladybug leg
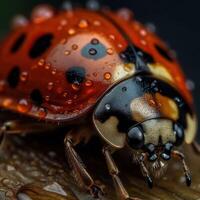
(145, 171)
(114, 172)
(196, 147)
(79, 170)
(180, 156)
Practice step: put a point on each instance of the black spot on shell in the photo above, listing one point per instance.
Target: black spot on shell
(36, 97)
(41, 45)
(75, 75)
(18, 43)
(164, 53)
(13, 77)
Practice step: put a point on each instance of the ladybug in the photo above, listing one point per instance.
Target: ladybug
(102, 72)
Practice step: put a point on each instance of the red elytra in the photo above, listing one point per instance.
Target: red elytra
(57, 66)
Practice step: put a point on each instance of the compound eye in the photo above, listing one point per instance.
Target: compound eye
(179, 133)
(136, 137)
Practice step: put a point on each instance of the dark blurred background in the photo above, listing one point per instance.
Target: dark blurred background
(176, 21)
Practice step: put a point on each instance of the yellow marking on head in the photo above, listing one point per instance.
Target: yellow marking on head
(167, 107)
(160, 71)
(152, 106)
(123, 71)
(141, 110)
(191, 130)
(110, 133)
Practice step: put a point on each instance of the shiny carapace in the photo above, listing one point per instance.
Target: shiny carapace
(106, 72)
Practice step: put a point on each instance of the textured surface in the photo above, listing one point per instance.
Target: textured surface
(40, 170)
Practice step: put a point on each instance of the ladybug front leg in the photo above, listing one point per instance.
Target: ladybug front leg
(114, 172)
(196, 147)
(78, 168)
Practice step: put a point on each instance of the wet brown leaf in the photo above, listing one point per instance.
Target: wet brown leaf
(34, 167)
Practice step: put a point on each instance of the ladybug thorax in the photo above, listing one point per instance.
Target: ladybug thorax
(143, 112)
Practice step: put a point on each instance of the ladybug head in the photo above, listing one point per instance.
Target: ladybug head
(148, 115)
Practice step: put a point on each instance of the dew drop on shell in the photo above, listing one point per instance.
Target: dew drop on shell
(50, 85)
(75, 86)
(24, 76)
(47, 98)
(41, 62)
(88, 83)
(125, 14)
(74, 47)
(23, 106)
(54, 71)
(19, 21)
(107, 76)
(67, 52)
(71, 31)
(107, 106)
(94, 41)
(92, 51)
(69, 102)
(83, 23)
(42, 113)
(42, 12)
(97, 23)
(110, 51)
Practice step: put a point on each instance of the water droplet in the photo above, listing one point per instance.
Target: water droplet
(93, 5)
(88, 83)
(83, 23)
(125, 14)
(71, 31)
(48, 66)
(50, 85)
(92, 51)
(54, 71)
(24, 76)
(120, 46)
(76, 86)
(74, 47)
(107, 106)
(107, 76)
(69, 102)
(67, 52)
(112, 37)
(143, 42)
(41, 62)
(94, 41)
(124, 89)
(41, 13)
(97, 23)
(143, 32)
(42, 113)
(19, 21)
(23, 106)
(65, 94)
(47, 98)
(110, 51)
